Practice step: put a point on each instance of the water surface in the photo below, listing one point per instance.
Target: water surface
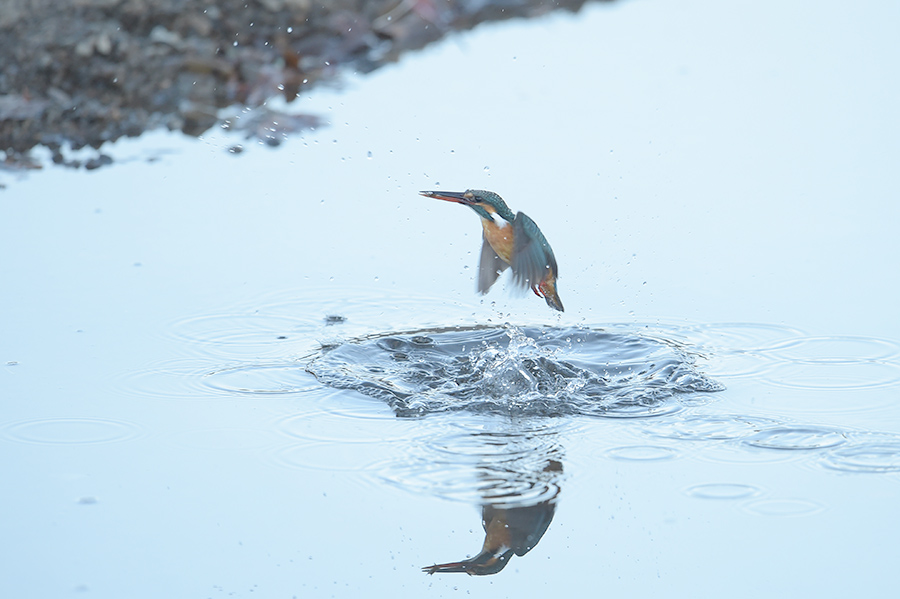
(717, 184)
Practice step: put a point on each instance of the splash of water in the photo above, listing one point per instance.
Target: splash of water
(519, 370)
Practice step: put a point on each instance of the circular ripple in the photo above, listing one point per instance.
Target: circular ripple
(797, 438)
(700, 427)
(471, 485)
(866, 453)
(642, 453)
(664, 408)
(261, 379)
(834, 350)
(481, 460)
(722, 491)
(742, 454)
(330, 457)
(783, 507)
(823, 375)
(364, 309)
(71, 431)
(738, 364)
(525, 480)
(241, 334)
(331, 426)
(744, 336)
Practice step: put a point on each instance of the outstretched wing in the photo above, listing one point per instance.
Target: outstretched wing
(532, 257)
(489, 267)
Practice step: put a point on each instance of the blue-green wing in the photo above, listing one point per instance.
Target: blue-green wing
(489, 267)
(532, 257)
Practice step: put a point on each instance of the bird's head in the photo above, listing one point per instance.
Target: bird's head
(485, 203)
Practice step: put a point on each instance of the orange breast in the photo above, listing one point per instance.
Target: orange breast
(500, 238)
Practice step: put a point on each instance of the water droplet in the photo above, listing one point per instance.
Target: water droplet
(290, 30)
(487, 169)
(369, 154)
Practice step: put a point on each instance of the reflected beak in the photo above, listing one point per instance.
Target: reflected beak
(485, 563)
(451, 567)
(449, 196)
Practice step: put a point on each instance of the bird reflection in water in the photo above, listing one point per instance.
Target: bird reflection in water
(509, 529)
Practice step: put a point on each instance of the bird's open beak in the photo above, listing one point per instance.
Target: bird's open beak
(449, 196)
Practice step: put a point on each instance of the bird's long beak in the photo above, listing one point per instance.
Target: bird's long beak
(485, 563)
(451, 567)
(449, 196)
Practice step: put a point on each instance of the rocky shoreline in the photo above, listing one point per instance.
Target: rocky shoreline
(85, 72)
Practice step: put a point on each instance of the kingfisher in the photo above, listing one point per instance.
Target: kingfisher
(509, 240)
(507, 532)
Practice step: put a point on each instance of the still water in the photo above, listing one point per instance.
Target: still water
(269, 375)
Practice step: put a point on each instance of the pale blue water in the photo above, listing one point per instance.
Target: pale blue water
(717, 182)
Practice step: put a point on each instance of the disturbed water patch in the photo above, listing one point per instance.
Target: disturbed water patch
(495, 460)
(516, 370)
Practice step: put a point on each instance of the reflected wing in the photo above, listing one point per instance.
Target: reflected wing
(489, 267)
(532, 257)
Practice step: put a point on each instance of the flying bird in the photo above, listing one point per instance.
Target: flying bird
(509, 240)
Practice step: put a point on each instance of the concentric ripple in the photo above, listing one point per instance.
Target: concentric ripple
(504, 463)
(508, 369)
(71, 431)
(715, 427)
(797, 438)
(726, 491)
(866, 453)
